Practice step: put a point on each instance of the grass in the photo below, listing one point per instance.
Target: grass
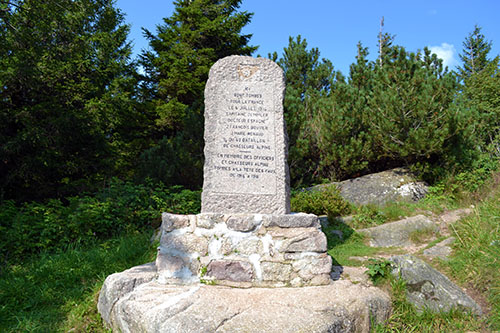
(405, 318)
(474, 264)
(423, 236)
(476, 260)
(352, 244)
(57, 292)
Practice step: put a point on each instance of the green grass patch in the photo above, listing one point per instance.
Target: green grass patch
(351, 244)
(422, 236)
(58, 292)
(476, 259)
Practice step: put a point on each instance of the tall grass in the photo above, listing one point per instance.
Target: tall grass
(57, 292)
(476, 260)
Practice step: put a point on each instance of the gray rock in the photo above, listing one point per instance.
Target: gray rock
(298, 220)
(208, 221)
(380, 188)
(441, 250)
(173, 221)
(243, 223)
(246, 168)
(239, 271)
(313, 265)
(428, 288)
(338, 307)
(398, 233)
(311, 240)
(275, 271)
(117, 285)
(186, 244)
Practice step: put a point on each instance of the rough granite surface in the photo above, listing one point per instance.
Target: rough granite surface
(152, 307)
(246, 168)
(429, 288)
(398, 233)
(397, 184)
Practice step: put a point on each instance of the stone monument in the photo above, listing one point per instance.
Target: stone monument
(246, 168)
(245, 235)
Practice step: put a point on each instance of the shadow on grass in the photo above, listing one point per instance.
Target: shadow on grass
(344, 243)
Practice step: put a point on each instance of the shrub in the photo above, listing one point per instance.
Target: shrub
(325, 200)
(120, 208)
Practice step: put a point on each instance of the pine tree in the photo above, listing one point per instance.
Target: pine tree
(198, 33)
(411, 107)
(308, 79)
(474, 54)
(65, 88)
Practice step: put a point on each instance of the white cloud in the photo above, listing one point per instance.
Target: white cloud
(446, 52)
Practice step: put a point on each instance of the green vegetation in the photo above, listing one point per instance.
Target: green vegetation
(378, 269)
(321, 201)
(120, 208)
(92, 151)
(58, 292)
(350, 244)
(405, 318)
(422, 236)
(475, 263)
(181, 53)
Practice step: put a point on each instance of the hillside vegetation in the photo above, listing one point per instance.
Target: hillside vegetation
(92, 149)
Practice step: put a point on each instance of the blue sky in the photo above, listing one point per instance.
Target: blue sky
(335, 27)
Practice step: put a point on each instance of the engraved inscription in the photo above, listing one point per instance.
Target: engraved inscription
(245, 140)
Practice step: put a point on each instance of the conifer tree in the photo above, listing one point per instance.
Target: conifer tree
(308, 79)
(185, 46)
(65, 95)
(474, 54)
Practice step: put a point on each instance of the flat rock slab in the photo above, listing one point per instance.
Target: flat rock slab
(429, 288)
(398, 233)
(152, 307)
(441, 250)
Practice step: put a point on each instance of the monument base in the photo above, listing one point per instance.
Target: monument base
(133, 301)
(243, 250)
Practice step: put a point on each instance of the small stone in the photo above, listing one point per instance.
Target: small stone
(226, 247)
(186, 244)
(208, 221)
(310, 241)
(239, 271)
(441, 250)
(173, 221)
(275, 271)
(296, 282)
(249, 246)
(244, 223)
(320, 280)
(310, 266)
(298, 220)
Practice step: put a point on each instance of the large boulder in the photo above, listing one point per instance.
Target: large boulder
(380, 188)
(153, 307)
(428, 288)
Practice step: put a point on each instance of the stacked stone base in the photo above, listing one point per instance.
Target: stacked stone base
(243, 250)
